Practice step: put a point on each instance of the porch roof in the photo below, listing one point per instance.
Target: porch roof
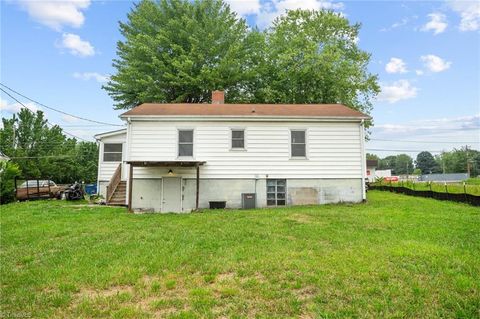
(166, 163)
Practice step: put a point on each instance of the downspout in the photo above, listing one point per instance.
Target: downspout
(363, 158)
(127, 158)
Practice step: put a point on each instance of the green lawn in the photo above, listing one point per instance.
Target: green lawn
(396, 256)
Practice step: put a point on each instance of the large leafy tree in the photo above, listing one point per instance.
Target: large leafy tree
(426, 163)
(179, 51)
(313, 57)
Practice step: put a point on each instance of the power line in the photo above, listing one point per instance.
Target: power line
(56, 110)
(48, 123)
(440, 142)
(407, 151)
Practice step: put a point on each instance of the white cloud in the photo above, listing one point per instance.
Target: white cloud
(396, 65)
(86, 76)
(399, 24)
(469, 13)
(245, 7)
(76, 45)
(435, 63)
(398, 90)
(466, 123)
(267, 11)
(419, 72)
(437, 23)
(56, 13)
(5, 106)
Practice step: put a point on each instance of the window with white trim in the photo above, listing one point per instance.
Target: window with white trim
(238, 139)
(112, 152)
(185, 143)
(298, 145)
(276, 192)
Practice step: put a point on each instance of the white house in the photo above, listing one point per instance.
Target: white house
(181, 157)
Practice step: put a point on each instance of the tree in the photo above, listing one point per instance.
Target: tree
(8, 171)
(461, 161)
(388, 162)
(41, 151)
(370, 156)
(403, 165)
(313, 58)
(179, 51)
(426, 163)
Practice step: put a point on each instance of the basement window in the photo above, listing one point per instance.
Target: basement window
(276, 191)
(112, 152)
(238, 139)
(185, 143)
(298, 145)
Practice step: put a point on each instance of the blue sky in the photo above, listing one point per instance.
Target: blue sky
(427, 56)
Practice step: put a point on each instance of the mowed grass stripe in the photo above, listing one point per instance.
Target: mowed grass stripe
(395, 256)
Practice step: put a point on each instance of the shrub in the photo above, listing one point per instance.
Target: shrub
(8, 171)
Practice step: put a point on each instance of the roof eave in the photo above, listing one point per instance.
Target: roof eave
(246, 117)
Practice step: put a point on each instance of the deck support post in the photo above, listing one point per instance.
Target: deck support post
(198, 187)
(130, 184)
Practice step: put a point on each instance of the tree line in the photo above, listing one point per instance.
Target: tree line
(462, 160)
(179, 51)
(37, 150)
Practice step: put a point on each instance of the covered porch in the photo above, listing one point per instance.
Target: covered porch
(163, 164)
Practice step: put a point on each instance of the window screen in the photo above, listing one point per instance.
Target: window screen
(298, 144)
(185, 143)
(238, 139)
(112, 152)
(276, 190)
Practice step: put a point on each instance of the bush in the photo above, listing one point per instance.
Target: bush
(8, 171)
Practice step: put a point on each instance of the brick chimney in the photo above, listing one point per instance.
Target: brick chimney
(218, 97)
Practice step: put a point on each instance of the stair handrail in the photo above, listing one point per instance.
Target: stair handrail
(114, 181)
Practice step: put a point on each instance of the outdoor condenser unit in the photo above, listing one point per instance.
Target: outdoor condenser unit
(248, 200)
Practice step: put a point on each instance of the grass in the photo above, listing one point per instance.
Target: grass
(396, 256)
(471, 186)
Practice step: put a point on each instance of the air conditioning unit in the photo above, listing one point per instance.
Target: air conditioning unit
(249, 200)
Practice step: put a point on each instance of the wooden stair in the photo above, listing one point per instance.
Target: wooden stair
(119, 195)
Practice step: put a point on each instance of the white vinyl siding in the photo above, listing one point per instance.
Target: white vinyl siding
(106, 169)
(334, 149)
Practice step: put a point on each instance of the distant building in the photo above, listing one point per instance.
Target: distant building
(371, 169)
(454, 177)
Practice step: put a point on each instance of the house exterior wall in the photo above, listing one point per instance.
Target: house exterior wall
(106, 169)
(334, 149)
(332, 171)
(147, 193)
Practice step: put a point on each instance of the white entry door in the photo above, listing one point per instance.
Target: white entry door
(172, 194)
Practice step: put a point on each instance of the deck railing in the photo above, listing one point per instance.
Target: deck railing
(114, 181)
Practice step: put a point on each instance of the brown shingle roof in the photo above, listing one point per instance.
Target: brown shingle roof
(282, 110)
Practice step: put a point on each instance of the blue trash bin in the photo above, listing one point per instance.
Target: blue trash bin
(91, 189)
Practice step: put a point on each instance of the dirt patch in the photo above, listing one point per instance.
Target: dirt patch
(105, 293)
(226, 276)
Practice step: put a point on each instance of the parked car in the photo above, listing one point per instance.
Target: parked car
(43, 189)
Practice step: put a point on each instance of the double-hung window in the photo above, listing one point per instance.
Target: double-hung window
(112, 152)
(276, 190)
(298, 144)
(185, 143)
(238, 139)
